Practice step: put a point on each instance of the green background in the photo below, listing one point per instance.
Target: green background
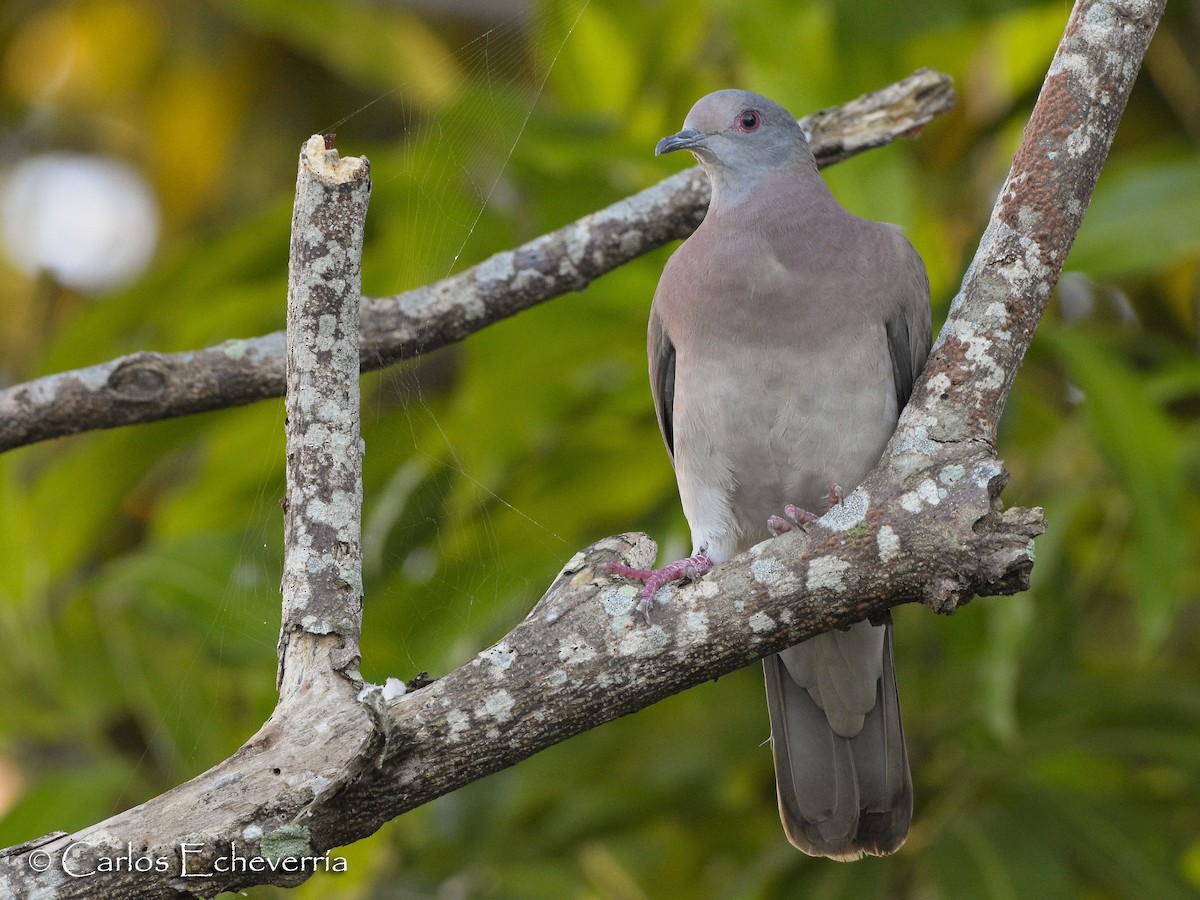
(1054, 736)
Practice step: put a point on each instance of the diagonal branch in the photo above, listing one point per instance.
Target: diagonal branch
(1037, 214)
(146, 387)
(926, 526)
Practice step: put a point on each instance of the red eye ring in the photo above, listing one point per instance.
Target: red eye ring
(747, 120)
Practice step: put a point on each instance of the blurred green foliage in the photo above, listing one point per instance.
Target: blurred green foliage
(1054, 737)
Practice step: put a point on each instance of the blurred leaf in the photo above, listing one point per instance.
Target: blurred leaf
(387, 47)
(1009, 625)
(1191, 864)
(69, 799)
(1143, 452)
(1142, 217)
(604, 72)
(84, 53)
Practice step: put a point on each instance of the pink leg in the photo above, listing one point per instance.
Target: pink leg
(691, 568)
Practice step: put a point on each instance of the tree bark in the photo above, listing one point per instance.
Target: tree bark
(322, 521)
(146, 387)
(926, 526)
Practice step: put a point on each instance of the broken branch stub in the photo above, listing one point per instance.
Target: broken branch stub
(322, 567)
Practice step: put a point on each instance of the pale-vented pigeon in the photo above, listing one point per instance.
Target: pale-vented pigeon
(784, 340)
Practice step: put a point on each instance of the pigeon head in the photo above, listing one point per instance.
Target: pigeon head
(739, 131)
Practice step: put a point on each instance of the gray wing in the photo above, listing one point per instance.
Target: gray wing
(908, 324)
(662, 378)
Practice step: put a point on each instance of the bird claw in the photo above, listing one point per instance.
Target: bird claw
(778, 525)
(688, 569)
(799, 517)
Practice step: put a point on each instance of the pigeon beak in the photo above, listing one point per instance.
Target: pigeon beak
(687, 139)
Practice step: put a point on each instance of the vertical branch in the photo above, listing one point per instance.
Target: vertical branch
(322, 568)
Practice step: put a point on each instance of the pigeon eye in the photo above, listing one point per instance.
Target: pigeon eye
(748, 120)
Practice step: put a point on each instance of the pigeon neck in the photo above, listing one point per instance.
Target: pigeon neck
(735, 190)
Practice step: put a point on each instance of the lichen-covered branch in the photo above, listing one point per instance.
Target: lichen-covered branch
(1033, 225)
(953, 413)
(146, 387)
(322, 563)
(320, 775)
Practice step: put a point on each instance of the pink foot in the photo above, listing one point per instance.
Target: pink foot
(799, 516)
(796, 516)
(691, 568)
(778, 525)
